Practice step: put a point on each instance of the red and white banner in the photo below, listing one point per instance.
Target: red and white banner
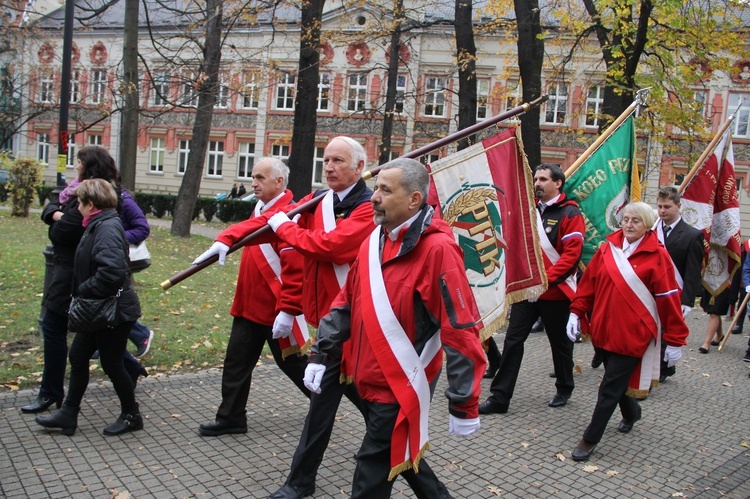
(710, 202)
(485, 193)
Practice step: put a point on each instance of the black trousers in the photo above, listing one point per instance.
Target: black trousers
(246, 342)
(111, 344)
(374, 460)
(319, 425)
(617, 371)
(554, 314)
(493, 354)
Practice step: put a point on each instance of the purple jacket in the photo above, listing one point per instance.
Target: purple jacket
(133, 220)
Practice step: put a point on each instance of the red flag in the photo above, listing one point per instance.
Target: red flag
(710, 203)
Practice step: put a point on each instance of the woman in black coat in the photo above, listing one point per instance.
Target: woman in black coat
(101, 270)
(65, 230)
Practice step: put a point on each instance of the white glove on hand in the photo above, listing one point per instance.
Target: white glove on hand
(462, 427)
(685, 311)
(282, 326)
(313, 376)
(672, 355)
(573, 328)
(277, 220)
(216, 248)
(747, 288)
(533, 300)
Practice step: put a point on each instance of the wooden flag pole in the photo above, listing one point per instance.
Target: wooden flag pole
(737, 314)
(709, 151)
(606, 133)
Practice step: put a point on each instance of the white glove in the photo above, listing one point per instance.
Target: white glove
(216, 248)
(672, 355)
(533, 300)
(462, 427)
(313, 376)
(747, 288)
(685, 311)
(282, 326)
(573, 328)
(277, 220)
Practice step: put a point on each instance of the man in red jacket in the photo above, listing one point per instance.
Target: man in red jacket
(561, 231)
(328, 238)
(268, 289)
(389, 324)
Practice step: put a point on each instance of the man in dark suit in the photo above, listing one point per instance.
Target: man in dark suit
(685, 245)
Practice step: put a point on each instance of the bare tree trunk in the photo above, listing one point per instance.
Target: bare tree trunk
(466, 54)
(191, 182)
(302, 153)
(530, 59)
(392, 83)
(129, 121)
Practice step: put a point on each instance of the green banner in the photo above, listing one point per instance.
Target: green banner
(604, 184)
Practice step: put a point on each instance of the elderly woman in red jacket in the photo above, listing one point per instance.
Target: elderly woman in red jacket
(630, 293)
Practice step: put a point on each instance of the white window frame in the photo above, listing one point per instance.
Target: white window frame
(245, 160)
(46, 88)
(156, 153)
(95, 139)
(161, 84)
(435, 105)
(215, 158)
(183, 155)
(324, 92)
(594, 105)
(250, 91)
(318, 166)
(75, 87)
(222, 95)
(280, 151)
(42, 147)
(483, 98)
(285, 88)
(741, 125)
(556, 109)
(189, 96)
(400, 93)
(98, 86)
(70, 161)
(356, 93)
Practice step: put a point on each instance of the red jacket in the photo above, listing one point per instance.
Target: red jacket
(436, 299)
(320, 249)
(616, 327)
(565, 228)
(254, 299)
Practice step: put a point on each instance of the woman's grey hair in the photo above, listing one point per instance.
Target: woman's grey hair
(98, 192)
(358, 152)
(642, 210)
(414, 176)
(278, 168)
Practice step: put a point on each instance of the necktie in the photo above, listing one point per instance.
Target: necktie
(666, 229)
(541, 206)
(336, 200)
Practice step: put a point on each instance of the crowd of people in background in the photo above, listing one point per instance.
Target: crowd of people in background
(346, 268)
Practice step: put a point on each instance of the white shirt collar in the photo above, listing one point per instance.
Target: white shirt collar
(629, 248)
(551, 201)
(345, 192)
(264, 207)
(393, 235)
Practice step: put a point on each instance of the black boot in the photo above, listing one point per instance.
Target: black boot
(66, 419)
(134, 377)
(40, 404)
(125, 423)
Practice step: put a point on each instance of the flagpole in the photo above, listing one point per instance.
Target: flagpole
(639, 96)
(709, 151)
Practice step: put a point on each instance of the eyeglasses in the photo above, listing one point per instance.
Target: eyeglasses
(630, 221)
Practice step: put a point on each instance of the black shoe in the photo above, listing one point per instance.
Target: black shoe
(66, 419)
(40, 404)
(292, 492)
(583, 451)
(662, 378)
(214, 429)
(737, 329)
(538, 326)
(137, 375)
(596, 360)
(489, 406)
(124, 424)
(559, 400)
(746, 358)
(626, 425)
(552, 375)
(490, 373)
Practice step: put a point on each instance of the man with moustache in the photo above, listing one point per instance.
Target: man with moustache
(561, 231)
(328, 238)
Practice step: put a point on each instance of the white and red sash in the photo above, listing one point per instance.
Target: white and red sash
(403, 369)
(551, 256)
(640, 299)
(329, 224)
(270, 267)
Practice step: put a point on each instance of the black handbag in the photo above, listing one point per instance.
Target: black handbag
(92, 314)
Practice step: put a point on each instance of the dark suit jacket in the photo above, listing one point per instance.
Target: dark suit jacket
(685, 246)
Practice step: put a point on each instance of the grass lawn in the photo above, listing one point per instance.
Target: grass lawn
(191, 321)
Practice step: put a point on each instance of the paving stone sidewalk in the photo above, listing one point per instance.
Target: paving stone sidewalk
(691, 442)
